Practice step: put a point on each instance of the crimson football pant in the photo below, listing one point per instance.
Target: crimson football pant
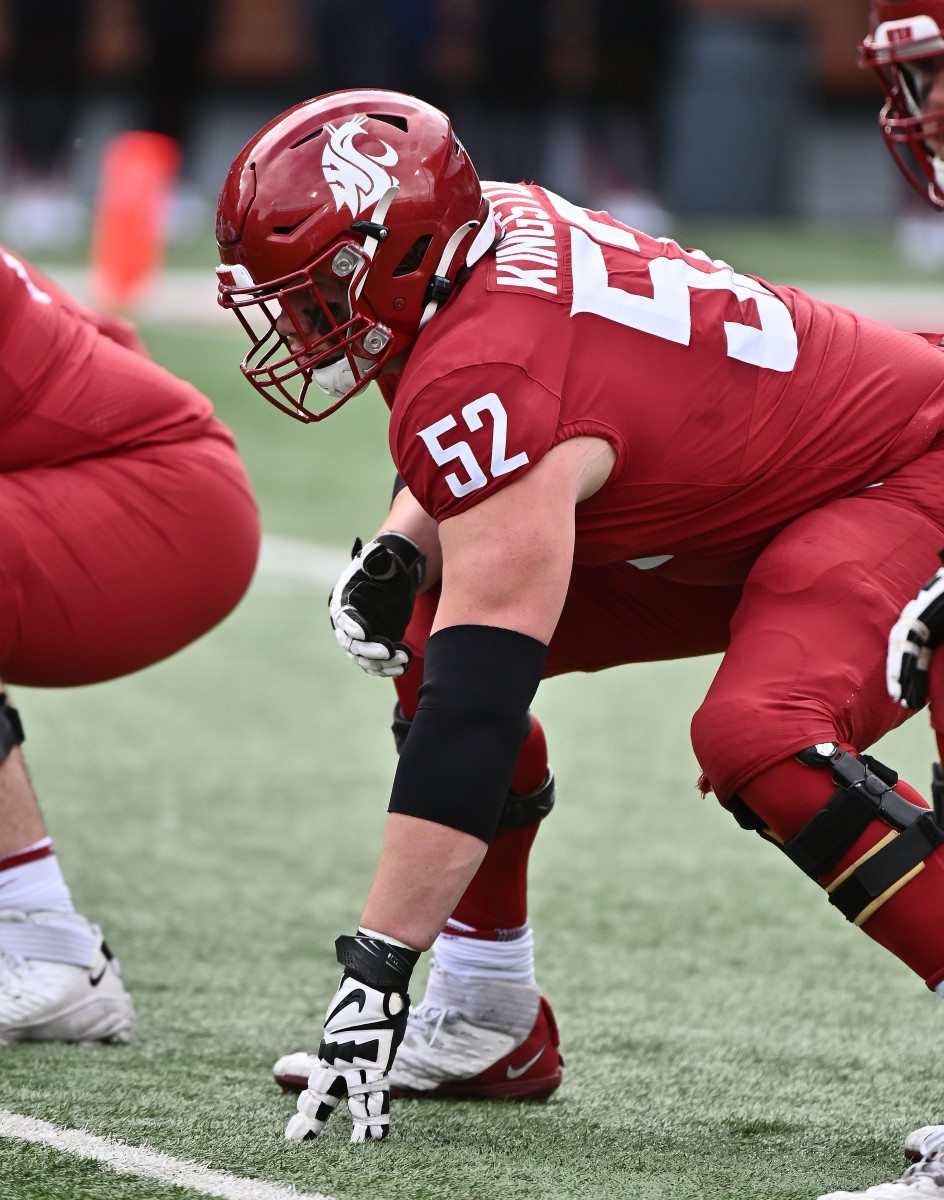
(806, 665)
(129, 525)
(804, 641)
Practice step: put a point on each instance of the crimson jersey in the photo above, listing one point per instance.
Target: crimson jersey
(732, 405)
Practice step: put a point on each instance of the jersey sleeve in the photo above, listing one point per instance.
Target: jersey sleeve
(461, 438)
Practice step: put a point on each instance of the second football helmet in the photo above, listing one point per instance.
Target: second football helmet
(342, 226)
(905, 49)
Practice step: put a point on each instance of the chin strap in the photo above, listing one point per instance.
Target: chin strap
(439, 284)
(484, 239)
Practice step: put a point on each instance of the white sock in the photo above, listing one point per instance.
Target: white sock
(31, 880)
(509, 956)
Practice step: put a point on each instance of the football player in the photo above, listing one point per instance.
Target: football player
(631, 453)
(905, 48)
(129, 530)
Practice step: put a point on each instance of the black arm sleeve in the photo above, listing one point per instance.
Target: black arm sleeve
(456, 766)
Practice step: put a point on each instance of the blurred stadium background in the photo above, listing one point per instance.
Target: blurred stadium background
(659, 110)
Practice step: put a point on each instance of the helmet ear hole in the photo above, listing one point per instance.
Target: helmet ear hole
(413, 259)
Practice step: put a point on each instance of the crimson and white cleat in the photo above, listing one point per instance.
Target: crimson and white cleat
(292, 1071)
(470, 1039)
(531, 1070)
(59, 982)
(923, 1180)
(478, 1038)
(915, 1139)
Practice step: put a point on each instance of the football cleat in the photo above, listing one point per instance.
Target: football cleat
(469, 1039)
(59, 982)
(451, 1056)
(923, 1180)
(914, 1140)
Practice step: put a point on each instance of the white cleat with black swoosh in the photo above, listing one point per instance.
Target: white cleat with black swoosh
(470, 1038)
(59, 982)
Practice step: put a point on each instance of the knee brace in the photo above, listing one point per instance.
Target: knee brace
(519, 811)
(864, 793)
(11, 728)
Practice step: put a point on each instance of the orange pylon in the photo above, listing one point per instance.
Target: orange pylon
(129, 229)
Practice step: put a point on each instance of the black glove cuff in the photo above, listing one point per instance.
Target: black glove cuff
(409, 555)
(377, 962)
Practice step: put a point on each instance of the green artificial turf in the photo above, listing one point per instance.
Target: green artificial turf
(726, 1033)
(220, 814)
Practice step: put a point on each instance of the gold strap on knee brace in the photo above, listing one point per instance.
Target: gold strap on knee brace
(864, 793)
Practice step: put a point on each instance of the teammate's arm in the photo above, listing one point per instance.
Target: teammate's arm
(914, 637)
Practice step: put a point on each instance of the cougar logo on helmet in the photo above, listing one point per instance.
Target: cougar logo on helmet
(356, 179)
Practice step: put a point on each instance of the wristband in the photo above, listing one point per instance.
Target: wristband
(376, 961)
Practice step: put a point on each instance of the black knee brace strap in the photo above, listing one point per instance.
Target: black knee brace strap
(11, 728)
(519, 810)
(864, 793)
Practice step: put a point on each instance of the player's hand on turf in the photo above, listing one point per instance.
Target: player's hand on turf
(914, 636)
(364, 1026)
(371, 604)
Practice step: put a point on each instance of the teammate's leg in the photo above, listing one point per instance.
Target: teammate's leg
(107, 563)
(58, 979)
(800, 694)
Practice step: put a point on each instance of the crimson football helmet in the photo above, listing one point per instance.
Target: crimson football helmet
(342, 226)
(907, 37)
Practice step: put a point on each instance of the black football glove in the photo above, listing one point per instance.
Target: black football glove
(371, 604)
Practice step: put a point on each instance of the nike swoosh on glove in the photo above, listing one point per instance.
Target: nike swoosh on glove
(364, 1026)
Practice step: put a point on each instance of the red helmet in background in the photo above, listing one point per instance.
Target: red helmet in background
(371, 192)
(906, 35)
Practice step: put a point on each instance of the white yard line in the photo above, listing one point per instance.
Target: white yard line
(145, 1163)
(295, 558)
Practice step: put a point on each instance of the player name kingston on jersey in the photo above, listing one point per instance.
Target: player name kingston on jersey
(527, 256)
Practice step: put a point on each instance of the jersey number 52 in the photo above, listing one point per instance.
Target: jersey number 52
(471, 414)
(666, 314)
